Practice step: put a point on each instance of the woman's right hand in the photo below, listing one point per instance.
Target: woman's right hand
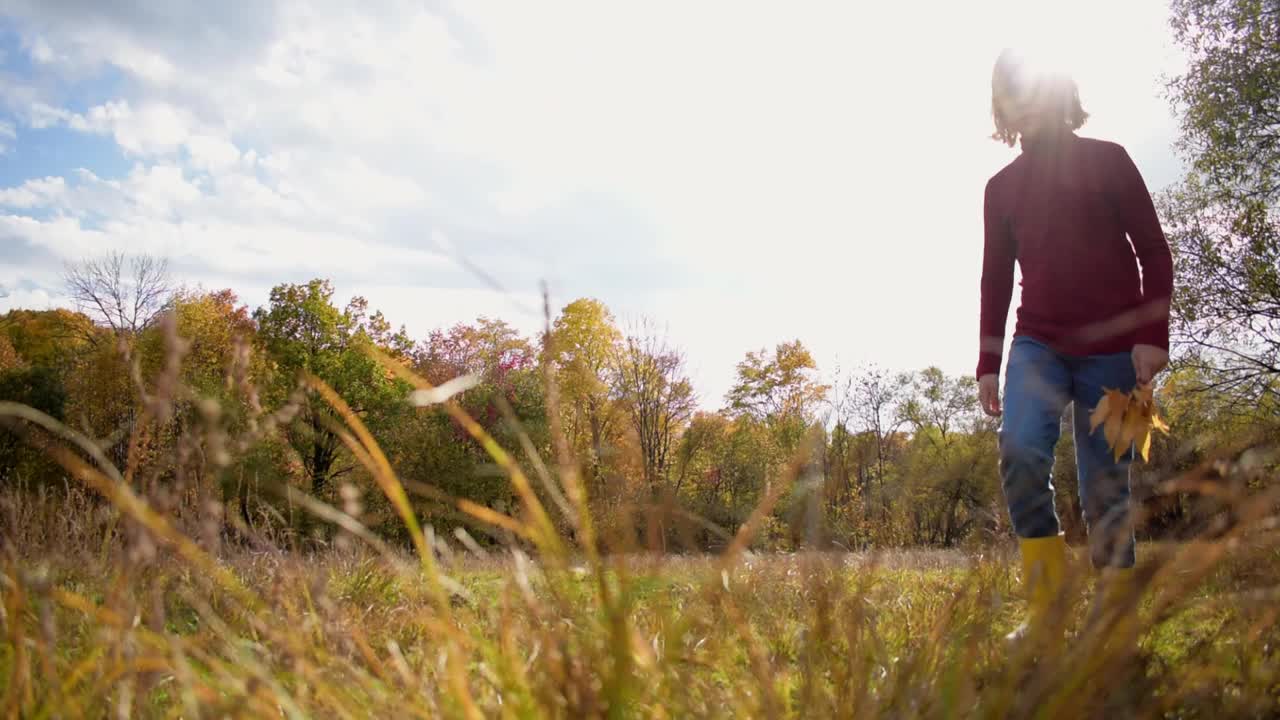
(989, 394)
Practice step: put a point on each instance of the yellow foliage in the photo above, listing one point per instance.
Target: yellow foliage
(1127, 420)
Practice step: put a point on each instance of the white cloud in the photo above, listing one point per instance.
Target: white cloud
(155, 128)
(749, 173)
(40, 116)
(41, 52)
(38, 299)
(39, 192)
(212, 153)
(159, 209)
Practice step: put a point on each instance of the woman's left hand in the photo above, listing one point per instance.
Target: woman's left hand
(1148, 361)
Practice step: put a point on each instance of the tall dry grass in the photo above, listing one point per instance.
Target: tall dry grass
(110, 607)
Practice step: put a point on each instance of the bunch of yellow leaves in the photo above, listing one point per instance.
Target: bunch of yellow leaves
(1127, 420)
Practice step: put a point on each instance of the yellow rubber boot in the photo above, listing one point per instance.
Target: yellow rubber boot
(1117, 606)
(1044, 572)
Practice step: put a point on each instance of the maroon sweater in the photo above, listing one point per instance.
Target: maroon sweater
(1077, 217)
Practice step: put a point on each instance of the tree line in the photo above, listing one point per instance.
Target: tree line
(200, 402)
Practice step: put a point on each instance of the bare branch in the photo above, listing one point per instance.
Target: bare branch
(125, 294)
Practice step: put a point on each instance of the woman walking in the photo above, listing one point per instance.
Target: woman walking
(1077, 218)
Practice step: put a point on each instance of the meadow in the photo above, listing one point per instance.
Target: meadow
(111, 609)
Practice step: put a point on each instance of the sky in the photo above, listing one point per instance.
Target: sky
(742, 173)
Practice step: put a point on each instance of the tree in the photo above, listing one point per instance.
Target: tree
(877, 398)
(9, 358)
(506, 397)
(303, 332)
(39, 387)
(200, 355)
(1222, 220)
(488, 346)
(125, 293)
(43, 357)
(952, 459)
(698, 450)
(940, 402)
(1229, 95)
(650, 383)
(102, 399)
(377, 328)
(783, 385)
(213, 326)
(49, 338)
(722, 465)
(586, 344)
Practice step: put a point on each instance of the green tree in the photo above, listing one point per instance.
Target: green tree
(951, 486)
(40, 387)
(1222, 220)
(304, 332)
(951, 462)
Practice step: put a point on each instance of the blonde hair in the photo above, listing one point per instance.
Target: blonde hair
(1054, 93)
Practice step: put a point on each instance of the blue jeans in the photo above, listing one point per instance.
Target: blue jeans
(1039, 385)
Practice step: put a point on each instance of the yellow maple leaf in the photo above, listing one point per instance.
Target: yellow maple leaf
(1131, 429)
(1127, 420)
(1144, 449)
(1100, 413)
(1117, 406)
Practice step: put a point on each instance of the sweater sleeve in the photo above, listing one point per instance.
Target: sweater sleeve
(1138, 216)
(998, 255)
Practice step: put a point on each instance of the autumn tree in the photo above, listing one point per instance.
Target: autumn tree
(201, 360)
(778, 385)
(44, 355)
(487, 345)
(654, 391)
(722, 465)
(48, 338)
(699, 452)
(782, 391)
(213, 327)
(586, 343)
(504, 394)
(9, 358)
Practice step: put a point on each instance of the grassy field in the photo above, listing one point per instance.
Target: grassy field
(111, 608)
(166, 630)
